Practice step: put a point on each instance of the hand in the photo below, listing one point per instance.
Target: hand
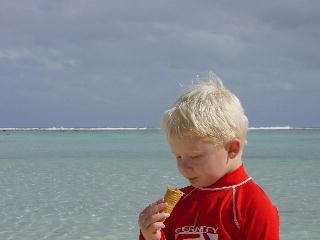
(150, 220)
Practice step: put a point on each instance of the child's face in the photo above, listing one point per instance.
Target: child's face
(200, 162)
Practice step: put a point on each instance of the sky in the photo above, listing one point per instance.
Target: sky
(102, 63)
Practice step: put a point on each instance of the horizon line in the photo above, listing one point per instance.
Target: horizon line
(134, 128)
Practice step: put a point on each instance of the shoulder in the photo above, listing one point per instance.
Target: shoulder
(252, 193)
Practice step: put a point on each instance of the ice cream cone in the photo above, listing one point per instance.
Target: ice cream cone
(172, 197)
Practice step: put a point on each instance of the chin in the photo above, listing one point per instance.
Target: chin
(201, 185)
(196, 185)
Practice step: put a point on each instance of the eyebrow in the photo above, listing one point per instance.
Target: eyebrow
(191, 153)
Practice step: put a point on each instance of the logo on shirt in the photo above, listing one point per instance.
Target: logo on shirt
(196, 233)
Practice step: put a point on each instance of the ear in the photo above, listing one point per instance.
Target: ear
(233, 148)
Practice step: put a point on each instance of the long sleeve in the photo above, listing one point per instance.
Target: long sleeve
(263, 225)
(260, 219)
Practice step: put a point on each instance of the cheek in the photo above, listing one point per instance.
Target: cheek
(185, 166)
(179, 166)
(209, 166)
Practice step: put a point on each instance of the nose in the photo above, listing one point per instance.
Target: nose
(184, 163)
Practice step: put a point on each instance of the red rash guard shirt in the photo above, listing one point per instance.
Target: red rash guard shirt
(234, 207)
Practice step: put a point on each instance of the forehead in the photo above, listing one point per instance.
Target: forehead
(190, 144)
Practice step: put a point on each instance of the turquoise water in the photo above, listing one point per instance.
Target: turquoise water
(92, 185)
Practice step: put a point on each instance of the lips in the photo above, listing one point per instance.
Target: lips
(192, 179)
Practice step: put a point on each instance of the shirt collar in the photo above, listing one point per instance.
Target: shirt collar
(232, 178)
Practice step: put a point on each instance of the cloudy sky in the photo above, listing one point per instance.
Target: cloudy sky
(103, 63)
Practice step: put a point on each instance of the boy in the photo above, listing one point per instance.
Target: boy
(206, 130)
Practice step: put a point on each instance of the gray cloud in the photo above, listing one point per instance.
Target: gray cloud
(121, 63)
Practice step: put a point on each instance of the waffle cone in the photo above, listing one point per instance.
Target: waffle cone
(172, 197)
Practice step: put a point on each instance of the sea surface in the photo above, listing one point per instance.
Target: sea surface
(78, 184)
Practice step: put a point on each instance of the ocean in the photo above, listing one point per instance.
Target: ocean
(92, 184)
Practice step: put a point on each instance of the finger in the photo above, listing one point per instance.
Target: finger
(146, 211)
(160, 217)
(146, 216)
(157, 208)
(156, 203)
(155, 227)
(153, 208)
(152, 205)
(145, 222)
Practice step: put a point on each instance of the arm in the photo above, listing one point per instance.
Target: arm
(260, 219)
(263, 225)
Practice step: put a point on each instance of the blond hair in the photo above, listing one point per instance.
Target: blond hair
(206, 110)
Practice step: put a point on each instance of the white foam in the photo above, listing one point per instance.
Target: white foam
(283, 128)
(271, 128)
(74, 129)
(141, 128)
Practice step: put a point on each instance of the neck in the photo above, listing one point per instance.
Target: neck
(235, 163)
